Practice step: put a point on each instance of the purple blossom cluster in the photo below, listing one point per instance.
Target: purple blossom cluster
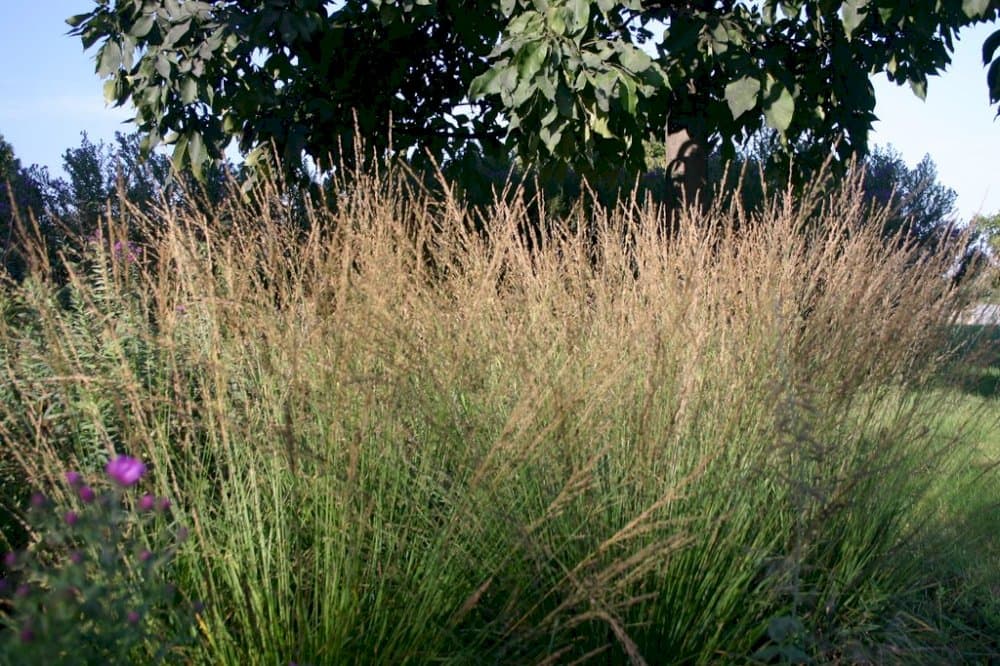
(84, 568)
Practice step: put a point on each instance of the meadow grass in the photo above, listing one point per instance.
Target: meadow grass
(405, 433)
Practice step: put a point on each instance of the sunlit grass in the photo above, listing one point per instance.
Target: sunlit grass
(401, 436)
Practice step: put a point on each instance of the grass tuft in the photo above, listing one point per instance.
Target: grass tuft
(404, 432)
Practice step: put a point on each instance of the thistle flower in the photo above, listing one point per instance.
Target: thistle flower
(147, 502)
(125, 470)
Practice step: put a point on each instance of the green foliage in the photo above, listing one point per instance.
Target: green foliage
(102, 176)
(94, 589)
(566, 82)
(991, 53)
(22, 195)
(303, 77)
(923, 209)
(989, 225)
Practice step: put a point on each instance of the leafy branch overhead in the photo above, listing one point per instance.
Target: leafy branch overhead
(566, 82)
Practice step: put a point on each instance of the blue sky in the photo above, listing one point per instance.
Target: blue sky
(49, 94)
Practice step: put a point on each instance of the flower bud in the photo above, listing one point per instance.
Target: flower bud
(74, 478)
(146, 502)
(71, 518)
(87, 494)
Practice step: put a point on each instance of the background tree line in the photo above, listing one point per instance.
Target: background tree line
(66, 210)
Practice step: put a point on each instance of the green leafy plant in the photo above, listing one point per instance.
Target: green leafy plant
(93, 589)
(566, 82)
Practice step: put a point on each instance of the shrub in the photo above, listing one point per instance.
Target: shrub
(92, 589)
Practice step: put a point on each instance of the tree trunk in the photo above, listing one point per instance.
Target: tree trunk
(687, 165)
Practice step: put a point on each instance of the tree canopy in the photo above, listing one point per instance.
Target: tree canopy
(565, 82)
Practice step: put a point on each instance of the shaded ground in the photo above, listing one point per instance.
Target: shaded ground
(977, 371)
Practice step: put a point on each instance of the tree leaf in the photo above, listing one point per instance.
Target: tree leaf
(741, 95)
(109, 58)
(975, 8)
(993, 80)
(580, 15)
(176, 32)
(532, 57)
(630, 99)
(196, 154)
(599, 123)
(143, 25)
(162, 66)
(77, 19)
(990, 47)
(487, 83)
(189, 90)
(852, 15)
(556, 19)
(110, 91)
(635, 59)
(781, 109)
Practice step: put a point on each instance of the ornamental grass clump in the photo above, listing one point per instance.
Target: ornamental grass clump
(92, 588)
(405, 432)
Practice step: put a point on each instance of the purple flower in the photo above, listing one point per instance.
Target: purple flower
(126, 250)
(76, 557)
(145, 556)
(87, 494)
(74, 478)
(38, 500)
(125, 470)
(146, 502)
(71, 518)
(27, 635)
(10, 559)
(22, 591)
(180, 309)
(133, 617)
